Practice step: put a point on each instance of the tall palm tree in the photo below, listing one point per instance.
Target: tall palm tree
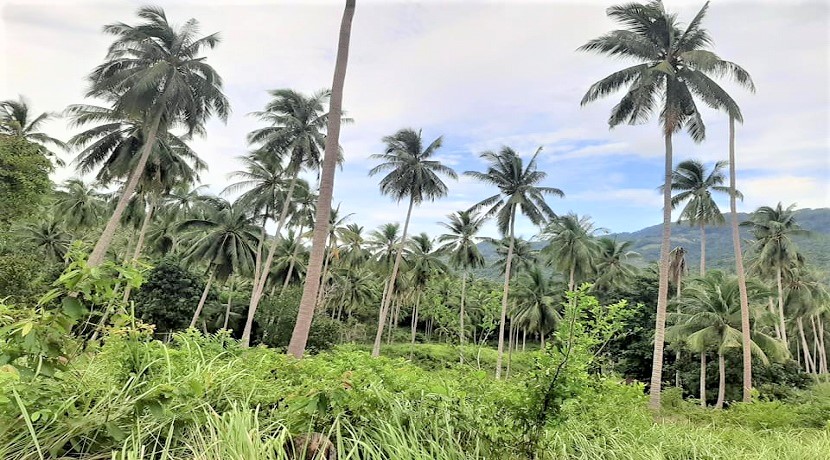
(695, 186)
(296, 134)
(49, 237)
(805, 298)
(264, 186)
(412, 174)
(156, 74)
(15, 121)
(352, 246)
(332, 154)
(79, 205)
(383, 241)
(461, 245)
(519, 190)
(536, 301)
(773, 229)
(424, 263)
(712, 319)
(571, 247)
(677, 268)
(225, 243)
(612, 265)
(673, 67)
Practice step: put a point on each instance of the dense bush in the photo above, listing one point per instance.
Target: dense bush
(24, 179)
(169, 297)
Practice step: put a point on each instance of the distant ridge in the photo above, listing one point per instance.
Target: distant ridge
(719, 253)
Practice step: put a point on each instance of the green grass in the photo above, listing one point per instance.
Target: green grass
(205, 398)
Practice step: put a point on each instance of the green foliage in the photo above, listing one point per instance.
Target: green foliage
(276, 317)
(23, 279)
(24, 179)
(169, 297)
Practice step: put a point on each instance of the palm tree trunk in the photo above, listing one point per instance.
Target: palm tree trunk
(703, 379)
(777, 326)
(808, 359)
(104, 241)
(461, 314)
(260, 243)
(384, 309)
(822, 349)
(542, 340)
(414, 323)
(324, 276)
(571, 282)
(293, 258)
(663, 285)
(721, 381)
(203, 298)
(677, 352)
(228, 309)
(321, 224)
(259, 285)
(816, 352)
(524, 338)
(148, 216)
(509, 350)
(702, 249)
(505, 292)
(746, 342)
(781, 323)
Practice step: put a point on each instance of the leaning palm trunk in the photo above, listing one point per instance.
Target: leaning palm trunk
(721, 380)
(663, 285)
(140, 244)
(293, 258)
(509, 350)
(203, 298)
(384, 308)
(816, 349)
(805, 348)
(325, 275)
(781, 323)
(746, 342)
(259, 285)
(321, 224)
(104, 241)
(703, 379)
(777, 324)
(505, 292)
(822, 349)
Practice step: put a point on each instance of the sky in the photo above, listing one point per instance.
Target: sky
(480, 74)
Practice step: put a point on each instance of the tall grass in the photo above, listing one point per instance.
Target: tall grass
(206, 399)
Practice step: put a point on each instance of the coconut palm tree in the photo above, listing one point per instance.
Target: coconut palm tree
(296, 134)
(712, 320)
(15, 121)
(536, 300)
(773, 229)
(673, 68)
(677, 268)
(79, 205)
(414, 175)
(571, 247)
(332, 154)
(225, 243)
(462, 246)
(694, 186)
(47, 236)
(353, 246)
(382, 243)
(612, 265)
(424, 263)
(156, 74)
(519, 190)
(523, 259)
(805, 297)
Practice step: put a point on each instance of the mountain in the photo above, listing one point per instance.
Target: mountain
(719, 252)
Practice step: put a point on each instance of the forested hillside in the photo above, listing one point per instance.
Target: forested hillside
(719, 253)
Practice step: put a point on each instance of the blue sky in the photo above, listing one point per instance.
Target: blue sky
(482, 74)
